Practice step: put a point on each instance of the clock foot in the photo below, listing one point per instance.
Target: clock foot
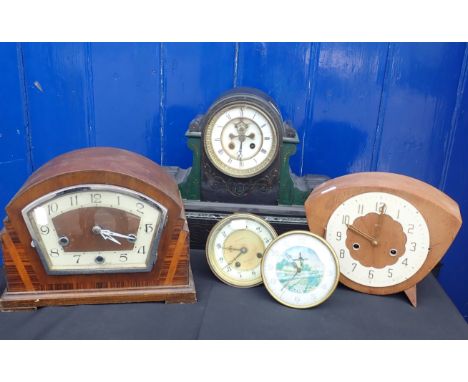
(411, 294)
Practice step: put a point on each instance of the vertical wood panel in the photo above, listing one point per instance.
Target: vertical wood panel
(126, 83)
(282, 70)
(194, 76)
(454, 270)
(14, 151)
(344, 113)
(420, 98)
(56, 86)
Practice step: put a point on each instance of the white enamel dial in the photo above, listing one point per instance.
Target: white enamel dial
(381, 239)
(300, 269)
(241, 141)
(95, 229)
(235, 249)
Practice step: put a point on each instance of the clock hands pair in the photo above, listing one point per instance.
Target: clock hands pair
(107, 234)
(241, 252)
(373, 239)
(298, 268)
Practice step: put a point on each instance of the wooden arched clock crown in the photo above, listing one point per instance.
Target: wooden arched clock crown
(388, 230)
(96, 225)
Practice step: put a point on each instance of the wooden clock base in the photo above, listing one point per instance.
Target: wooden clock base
(12, 301)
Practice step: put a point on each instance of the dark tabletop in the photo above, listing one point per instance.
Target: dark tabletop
(224, 312)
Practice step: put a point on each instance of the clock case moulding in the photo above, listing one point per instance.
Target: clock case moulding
(28, 284)
(440, 212)
(276, 194)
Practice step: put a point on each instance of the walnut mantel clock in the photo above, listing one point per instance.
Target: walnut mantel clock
(96, 225)
(388, 230)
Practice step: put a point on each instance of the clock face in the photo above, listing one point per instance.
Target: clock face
(235, 249)
(380, 239)
(300, 269)
(95, 229)
(241, 141)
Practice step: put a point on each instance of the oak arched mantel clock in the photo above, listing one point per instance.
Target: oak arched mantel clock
(97, 225)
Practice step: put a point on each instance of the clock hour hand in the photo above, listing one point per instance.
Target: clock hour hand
(372, 240)
(241, 252)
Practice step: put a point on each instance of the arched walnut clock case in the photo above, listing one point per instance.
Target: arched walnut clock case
(165, 277)
(389, 230)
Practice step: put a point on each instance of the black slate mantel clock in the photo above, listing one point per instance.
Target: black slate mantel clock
(241, 148)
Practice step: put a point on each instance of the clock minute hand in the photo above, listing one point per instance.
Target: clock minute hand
(241, 252)
(116, 234)
(106, 236)
(373, 241)
(292, 278)
(378, 227)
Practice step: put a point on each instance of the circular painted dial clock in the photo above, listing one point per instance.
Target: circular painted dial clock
(380, 238)
(95, 228)
(240, 140)
(300, 269)
(235, 249)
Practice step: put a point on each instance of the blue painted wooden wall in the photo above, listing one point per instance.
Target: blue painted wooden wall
(400, 107)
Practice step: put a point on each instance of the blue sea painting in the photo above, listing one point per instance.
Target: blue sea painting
(300, 270)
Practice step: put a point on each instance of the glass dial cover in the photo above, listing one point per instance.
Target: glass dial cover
(95, 229)
(235, 249)
(381, 239)
(300, 269)
(241, 140)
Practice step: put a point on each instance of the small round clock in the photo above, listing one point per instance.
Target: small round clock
(300, 269)
(241, 136)
(235, 248)
(388, 230)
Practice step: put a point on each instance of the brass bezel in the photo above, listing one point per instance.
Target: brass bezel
(332, 251)
(230, 171)
(209, 249)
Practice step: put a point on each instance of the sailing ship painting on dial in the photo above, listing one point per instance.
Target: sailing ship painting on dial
(235, 249)
(300, 269)
(388, 230)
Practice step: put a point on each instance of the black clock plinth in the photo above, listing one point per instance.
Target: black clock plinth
(259, 189)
